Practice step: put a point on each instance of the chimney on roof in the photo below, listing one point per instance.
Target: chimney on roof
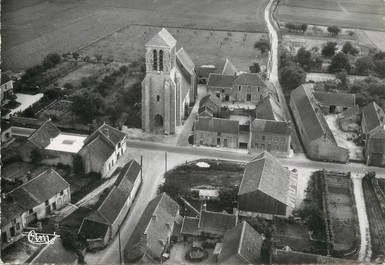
(107, 132)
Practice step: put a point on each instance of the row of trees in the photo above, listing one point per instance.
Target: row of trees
(330, 49)
(296, 27)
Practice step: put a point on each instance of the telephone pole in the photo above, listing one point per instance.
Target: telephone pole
(120, 247)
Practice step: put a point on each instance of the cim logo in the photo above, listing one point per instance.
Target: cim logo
(40, 238)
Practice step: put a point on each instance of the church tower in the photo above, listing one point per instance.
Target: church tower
(161, 87)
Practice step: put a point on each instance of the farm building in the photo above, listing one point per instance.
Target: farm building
(102, 149)
(208, 105)
(247, 87)
(269, 109)
(166, 92)
(241, 245)
(226, 68)
(373, 130)
(208, 195)
(270, 135)
(33, 200)
(317, 138)
(203, 73)
(216, 132)
(54, 145)
(102, 225)
(267, 188)
(334, 102)
(153, 232)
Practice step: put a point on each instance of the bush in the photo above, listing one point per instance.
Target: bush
(329, 49)
(51, 60)
(290, 77)
(339, 62)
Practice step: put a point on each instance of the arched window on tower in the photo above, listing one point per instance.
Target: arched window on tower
(155, 60)
(160, 60)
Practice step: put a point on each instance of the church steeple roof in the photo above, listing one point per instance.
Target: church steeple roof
(162, 39)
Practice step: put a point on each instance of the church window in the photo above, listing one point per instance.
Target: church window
(160, 60)
(157, 98)
(155, 60)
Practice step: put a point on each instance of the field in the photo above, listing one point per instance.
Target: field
(204, 46)
(32, 29)
(342, 211)
(345, 13)
(376, 219)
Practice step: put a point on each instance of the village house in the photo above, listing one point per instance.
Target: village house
(216, 132)
(203, 73)
(34, 200)
(54, 145)
(103, 224)
(102, 149)
(208, 222)
(334, 102)
(209, 105)
(373, 131)
(318, 139)
(6, 87)
(152, 235)
(272, 136)
(208, 195)
(267, 188)
(241, 245)
(166, 92)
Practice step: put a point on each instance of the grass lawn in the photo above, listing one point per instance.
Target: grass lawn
(82, 22)
(219, 174)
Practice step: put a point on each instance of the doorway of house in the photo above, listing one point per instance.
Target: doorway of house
(158, 123)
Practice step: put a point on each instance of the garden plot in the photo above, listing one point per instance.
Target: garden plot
(342, 138)
(342, 212)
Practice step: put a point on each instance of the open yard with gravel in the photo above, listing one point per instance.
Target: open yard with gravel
(32, 29)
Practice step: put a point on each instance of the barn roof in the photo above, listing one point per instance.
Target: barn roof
(190, 226)
(274, 127)
(313, 121)
(269, 109)
(266, 174)
(242, 240)
(217, 221)
(376, 142)
(335, 99)
(374, 115)
(227, 68)
(251, 79)
(101, 148)
(219, 80)
(162, 39)
(210, 124)
(352, 111)
(204, 70)
(42, 136)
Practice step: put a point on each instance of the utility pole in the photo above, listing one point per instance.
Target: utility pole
(165, 164)
(120, 247)
(141, 168)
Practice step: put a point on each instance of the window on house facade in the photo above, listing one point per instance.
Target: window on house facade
(275, 138)
(46, 203)
(239, 88)
(223, 91)
(248, 97)
(256, 145)
(219, 134)
(17, 226)
(262, 146)
(282, 139)
(258, 89)
(218, 95)
(160, 60)
(157, 98)
(155, 57)
(263, 138)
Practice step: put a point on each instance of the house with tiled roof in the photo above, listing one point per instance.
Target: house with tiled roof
(186, 67)
(216, 132)
(241, 245)
(267, 188)
(221, 85)
(270, 135)
(334, 102)
(209, 105)
(152, 234)
(373, 131)
(34, 200)
(53, 144)
(269, 109)
(102, 149)
(203, 73)
(317, 138)
(6, 87)
(102, 225)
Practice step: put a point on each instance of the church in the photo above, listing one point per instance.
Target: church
(169, 88)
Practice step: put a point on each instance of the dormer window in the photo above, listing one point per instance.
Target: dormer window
(155, 56)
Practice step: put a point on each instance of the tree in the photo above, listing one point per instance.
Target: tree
(75, 55)
(343, 77)
(348, 47)
(51, 60)
(98, 57)
(334, 30)
(77, 164)
(255, 68)
(364, 65)
(304, 27)
(36, 156)
(290, 77)
(52, 93)
(303, 58)
(329, 49)
(339, 62)
(263, 46)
